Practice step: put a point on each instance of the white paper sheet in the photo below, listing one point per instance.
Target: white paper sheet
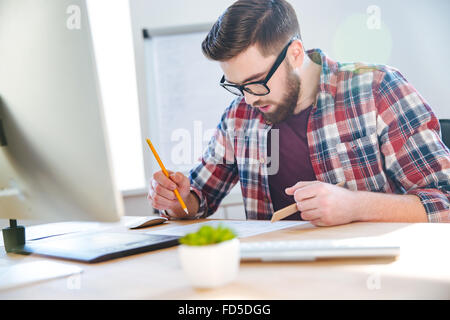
(241, 228)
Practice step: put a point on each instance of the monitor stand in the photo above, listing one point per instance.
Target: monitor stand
(2, 135)
(14, 237)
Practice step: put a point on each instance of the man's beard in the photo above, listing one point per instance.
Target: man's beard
(287, 106)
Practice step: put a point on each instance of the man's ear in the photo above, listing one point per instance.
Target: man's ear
(296, 54)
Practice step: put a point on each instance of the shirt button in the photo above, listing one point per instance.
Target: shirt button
(262, 160)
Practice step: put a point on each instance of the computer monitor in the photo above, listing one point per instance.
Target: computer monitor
(55, 162)
(56, 151)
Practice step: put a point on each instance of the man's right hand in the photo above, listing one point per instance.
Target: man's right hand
(162, 196)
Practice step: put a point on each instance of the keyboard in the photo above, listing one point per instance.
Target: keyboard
(310, 250)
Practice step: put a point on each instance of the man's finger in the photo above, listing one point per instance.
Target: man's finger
(176, 177)
(164, 181)
(310, 215)
(162, 203)
(305, 192)
(179, 179)
(290, 191)
(308, 205)
(160, 190)
(317, 223)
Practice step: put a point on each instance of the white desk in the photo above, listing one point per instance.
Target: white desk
(422, 271)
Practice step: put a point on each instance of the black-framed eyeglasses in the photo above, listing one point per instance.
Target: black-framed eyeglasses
(257, 88)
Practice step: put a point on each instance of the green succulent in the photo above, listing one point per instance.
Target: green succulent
(208, 235)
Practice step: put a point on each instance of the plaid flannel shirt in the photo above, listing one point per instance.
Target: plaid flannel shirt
(369, 128)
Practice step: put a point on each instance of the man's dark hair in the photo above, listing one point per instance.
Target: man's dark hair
(267, 23)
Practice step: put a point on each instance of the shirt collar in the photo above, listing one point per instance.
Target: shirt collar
(328, 76)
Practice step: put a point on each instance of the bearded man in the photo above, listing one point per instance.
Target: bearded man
(303, 123)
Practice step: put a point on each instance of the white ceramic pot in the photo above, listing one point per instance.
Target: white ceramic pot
(211, 265)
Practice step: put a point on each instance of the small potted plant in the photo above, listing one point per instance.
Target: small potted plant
(210, 257)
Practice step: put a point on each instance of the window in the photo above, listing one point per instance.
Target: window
(113, 46)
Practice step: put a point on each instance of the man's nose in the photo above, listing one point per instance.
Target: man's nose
(250, 98)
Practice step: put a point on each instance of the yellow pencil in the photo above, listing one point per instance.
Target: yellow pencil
(177, 194)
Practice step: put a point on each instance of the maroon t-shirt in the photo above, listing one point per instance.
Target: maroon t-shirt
(294, 161)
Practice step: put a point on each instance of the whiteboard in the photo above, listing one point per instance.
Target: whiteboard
(185, 99)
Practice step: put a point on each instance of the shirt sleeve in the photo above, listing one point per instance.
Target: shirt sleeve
(416, 158)
(216, 174)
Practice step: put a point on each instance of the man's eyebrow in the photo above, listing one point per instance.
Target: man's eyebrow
(256, 76)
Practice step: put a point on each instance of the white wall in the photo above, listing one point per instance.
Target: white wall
(419, 31)
(413, 37)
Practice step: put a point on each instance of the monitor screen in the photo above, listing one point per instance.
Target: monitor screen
(55, 162)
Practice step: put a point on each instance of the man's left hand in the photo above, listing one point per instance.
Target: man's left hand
(323, 204)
